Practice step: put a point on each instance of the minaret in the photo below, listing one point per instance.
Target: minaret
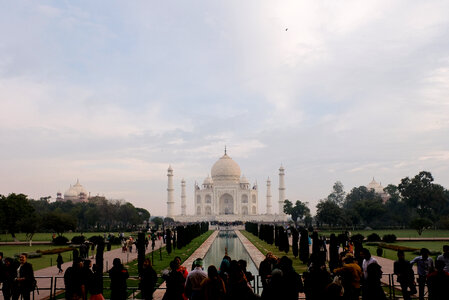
(281, 190)
(269, 212)
(183, 197)
(170, 190)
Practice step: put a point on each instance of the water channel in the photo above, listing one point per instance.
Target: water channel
(228, 241)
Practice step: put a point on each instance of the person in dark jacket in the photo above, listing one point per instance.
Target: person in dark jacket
(118, 275)
(73, 280)
(59, 262)
(96, 284)
(405, 275)
(175, 283)
(148, 279)
(25, 281)
(8, 276)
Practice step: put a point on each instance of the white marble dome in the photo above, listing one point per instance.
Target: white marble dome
(71, 192)
(225, 169)
(208, 180)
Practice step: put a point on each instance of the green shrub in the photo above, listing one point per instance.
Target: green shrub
(115, 240)
(389, 238)
(373, 237)
(29, 254)
(96, 239)
(60, 240)
(357, 237)
(78, 240)
(55, 250)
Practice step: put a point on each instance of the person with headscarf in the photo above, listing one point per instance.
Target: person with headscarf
(213, 287)
(193, 281)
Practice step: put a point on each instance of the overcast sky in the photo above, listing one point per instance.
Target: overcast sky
(112, 92)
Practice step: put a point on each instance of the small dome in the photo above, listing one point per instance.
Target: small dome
(79, 188)
(244, 180)
(225, 169)
(375, 186)
(208, 180)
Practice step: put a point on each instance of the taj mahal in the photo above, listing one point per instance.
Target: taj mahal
(226, 195)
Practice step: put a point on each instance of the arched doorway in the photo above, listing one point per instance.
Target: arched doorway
(226, 205)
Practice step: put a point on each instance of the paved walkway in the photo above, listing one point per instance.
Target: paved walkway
(108, 256)
(199, 253)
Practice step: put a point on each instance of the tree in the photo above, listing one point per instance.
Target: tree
(420, 224)
(328, 212)
(297, 212)
(421, 194)
(157, 221)
(365, 204)
(338, 194)
(58, 222)
(14, 210)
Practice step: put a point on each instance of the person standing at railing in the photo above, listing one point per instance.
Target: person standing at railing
(425, 267)
(438, 282)
(445, 257)
(118, 275)
(405, 276)
(148, 279)
(25, 281)
(8, 274)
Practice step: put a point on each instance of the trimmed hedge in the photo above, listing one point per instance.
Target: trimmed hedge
(78, 240)
(373, 237)
(60, 240)
(392, 247)
(389, 238)
(55, 251)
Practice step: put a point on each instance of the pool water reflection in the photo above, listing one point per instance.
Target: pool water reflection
(235, 249)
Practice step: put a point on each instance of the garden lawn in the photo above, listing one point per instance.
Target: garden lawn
(44, 261)
(400, 233)
(264, 248)
(47, 237)
(392, 254)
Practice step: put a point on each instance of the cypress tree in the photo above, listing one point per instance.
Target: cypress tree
(304, 246)
(295, 240)
(168, 241)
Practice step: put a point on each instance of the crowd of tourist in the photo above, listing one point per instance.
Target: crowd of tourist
(349, 278)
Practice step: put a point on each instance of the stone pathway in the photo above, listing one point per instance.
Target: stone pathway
(199, 253)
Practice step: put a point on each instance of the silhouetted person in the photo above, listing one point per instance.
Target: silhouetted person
(372, 285)
(59, 262)
(249, 276)
(8, 275)
(213, 287)
(175, 284)
(118, 275)
(405, 276)
(445, 257)
(238, 288)
(438, 282)
(316, 278)
(425, 267)
(96, 284)
(148, 279)
(73, 280)
(266, 267)
(290, 278)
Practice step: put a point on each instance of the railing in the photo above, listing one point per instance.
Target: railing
(56, 287)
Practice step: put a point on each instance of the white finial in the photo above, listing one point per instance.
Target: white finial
(225, 149)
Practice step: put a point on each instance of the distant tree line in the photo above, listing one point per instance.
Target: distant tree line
(416, 203)
(20, 214)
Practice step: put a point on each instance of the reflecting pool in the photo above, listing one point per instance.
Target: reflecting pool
(228, 240)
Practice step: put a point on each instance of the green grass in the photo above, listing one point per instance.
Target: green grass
(40, 262)
(400, 233)
(392, 254)
(47, 237)
(264, 248)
